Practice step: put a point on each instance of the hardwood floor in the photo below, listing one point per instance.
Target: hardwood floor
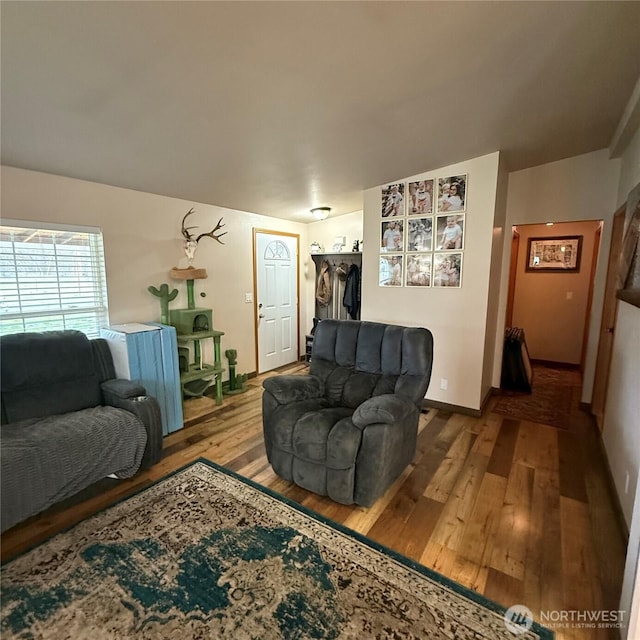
(518, 511)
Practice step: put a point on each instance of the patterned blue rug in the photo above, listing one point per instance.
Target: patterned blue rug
(206, 554)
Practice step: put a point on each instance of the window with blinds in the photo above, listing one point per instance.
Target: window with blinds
(51, 277)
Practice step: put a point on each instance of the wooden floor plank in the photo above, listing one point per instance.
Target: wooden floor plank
(509, 552)
(418, 528)
(504, 588)
(488, 429)
(478, 539)
(571, 466)
(543, 565)
(502, 455)
(447, 474)
(578, 557)
(457, 511)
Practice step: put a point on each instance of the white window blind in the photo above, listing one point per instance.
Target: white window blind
(51, 277)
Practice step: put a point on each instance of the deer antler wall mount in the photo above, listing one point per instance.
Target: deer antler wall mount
(191, 240)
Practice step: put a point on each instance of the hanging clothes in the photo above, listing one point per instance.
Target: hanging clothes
(323, 290)
(351, 299)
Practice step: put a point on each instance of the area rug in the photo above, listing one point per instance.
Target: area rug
(549, 401)
(206, 554)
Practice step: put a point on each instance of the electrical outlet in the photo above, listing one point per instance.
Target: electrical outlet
(248, 297)
(444, 383)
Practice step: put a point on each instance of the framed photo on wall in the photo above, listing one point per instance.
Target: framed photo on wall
(418, 271)
(554, 254)
(393, 200)
(390, 274)
(452, 194)
(420, 198)
(447, 269)
(419, 234)
(392, 236)
(450, 232)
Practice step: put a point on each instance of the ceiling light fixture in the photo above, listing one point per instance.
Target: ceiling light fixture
(320, 213)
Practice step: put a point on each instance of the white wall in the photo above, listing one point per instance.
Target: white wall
(143, 242)
(630, 170)
(621, 430)
(621, 427)
(580, 188)
(621, 434)
(630, 599)
(456, 317)
(326, 231)
(491, 349)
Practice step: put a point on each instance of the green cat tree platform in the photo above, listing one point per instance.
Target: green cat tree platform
(193, 325)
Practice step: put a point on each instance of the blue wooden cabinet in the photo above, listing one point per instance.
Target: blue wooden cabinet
(148, 354)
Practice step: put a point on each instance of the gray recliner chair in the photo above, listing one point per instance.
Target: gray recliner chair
(349, 428)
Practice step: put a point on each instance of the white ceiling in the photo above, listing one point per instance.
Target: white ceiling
(277, 107)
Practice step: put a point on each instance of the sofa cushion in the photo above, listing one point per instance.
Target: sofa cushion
(398, 356)
(64, 380)
(311, 432)
(285, 417)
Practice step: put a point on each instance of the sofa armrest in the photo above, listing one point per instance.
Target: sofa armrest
(130, 396)
(287, 389)
(383, 409)
(123, 389)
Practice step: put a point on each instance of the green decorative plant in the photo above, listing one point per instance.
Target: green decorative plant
(165, 298)
(236, 382)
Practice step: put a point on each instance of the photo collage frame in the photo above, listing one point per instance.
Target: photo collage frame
(422, 232)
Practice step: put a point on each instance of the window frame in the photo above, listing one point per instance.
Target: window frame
(61, 314)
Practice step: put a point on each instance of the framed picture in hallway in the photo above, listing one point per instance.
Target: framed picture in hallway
(554, 254)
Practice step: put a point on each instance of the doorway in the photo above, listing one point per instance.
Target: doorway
(276, 298)
(553, 307)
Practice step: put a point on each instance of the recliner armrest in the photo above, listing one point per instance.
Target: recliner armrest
(287, 389)
(130, 396)
(120, 388)
(383, 409)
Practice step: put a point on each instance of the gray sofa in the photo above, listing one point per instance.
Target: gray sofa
(349, 428)
(67, 421)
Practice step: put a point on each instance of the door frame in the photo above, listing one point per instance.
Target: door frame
(607, 321)
(513, 272)
(597, 241)
(272, 232)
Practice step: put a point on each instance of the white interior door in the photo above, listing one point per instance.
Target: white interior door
(276, 260)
